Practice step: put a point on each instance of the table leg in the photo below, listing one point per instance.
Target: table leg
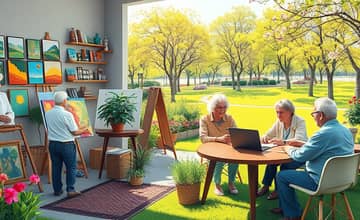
(209, 175)
(253, 183)
(106, 141)
(133, 141)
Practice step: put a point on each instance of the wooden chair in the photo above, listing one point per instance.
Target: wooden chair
(339, 174)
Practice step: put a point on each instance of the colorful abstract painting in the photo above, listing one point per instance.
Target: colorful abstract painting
(47, 105)
(19, 101)
(2, 72)
(15, 47)
(35, 72)
(51, 50)
(17, 72)
(33, 49)
(52, 72)
(78, 108)
(2, 46)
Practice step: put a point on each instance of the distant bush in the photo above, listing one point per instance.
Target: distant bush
(272, 82)
(226, 83)
(243, 82)
(200, 87)
(151, 83)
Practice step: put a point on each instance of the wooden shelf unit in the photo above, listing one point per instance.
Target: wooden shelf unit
(92, 97)
(85, 44)
(89, 81)
(86, 62)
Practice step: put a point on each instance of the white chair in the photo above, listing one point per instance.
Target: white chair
(339, 173)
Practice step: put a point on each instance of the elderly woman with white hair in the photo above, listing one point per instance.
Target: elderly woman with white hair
(214, 128)
(287, 127)
(62, 130)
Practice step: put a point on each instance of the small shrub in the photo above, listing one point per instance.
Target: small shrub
(272, 82)
(188, 172)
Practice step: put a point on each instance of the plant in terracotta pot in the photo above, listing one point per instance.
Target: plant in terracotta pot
(118, 110)
(353, 115)
(188, 175)
(141, 158)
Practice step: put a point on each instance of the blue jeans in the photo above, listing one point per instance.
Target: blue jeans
(63, 153)
(232, 170)
(270, 171)
(287, 195)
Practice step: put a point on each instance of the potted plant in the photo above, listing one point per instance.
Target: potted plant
(141, 157)
(117, 110)
(353, 115)
(188, 175)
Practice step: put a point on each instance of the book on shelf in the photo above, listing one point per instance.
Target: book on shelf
(71, 52)
(72, 92)
(70, 73)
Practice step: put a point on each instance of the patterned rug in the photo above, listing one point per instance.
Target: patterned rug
(112, 199)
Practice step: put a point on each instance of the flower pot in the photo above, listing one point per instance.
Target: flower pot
(117, 127)
(188, 194)
(136, 181)
(353, 132)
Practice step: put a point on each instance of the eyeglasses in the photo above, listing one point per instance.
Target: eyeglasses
(313, 113)
(220, 107)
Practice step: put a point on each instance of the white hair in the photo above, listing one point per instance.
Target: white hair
(326, 106)
(216, 99)
(285, 104)
(59, 97)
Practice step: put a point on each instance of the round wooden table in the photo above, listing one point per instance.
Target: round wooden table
(108, 133)
(215, 151)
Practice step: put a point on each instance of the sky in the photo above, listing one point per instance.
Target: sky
(208, 10)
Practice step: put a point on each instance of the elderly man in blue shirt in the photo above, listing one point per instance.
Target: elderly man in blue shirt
(332, 139)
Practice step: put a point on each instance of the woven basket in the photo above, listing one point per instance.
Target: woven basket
(188, 194)
(38, 154)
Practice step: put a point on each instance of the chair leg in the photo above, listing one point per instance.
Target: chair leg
(348, 208)
(238, 174)
(306, 209)
(321, 205)
(333, 203)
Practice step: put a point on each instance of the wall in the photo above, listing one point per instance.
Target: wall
(31, 19)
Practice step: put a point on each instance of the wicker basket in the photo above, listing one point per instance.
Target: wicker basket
(38, 154)
(188, 194)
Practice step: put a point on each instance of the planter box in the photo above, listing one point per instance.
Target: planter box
(187, 134)
(95, 157)
(118, 163)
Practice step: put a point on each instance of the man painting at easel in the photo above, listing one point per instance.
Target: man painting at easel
(6, 113)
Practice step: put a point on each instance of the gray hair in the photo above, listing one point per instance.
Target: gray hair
(285, 104)
(326, 106)
(216, 99)
(59, 97)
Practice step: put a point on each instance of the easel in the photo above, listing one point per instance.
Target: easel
(156, 101)
(47, 160)
(18, 127)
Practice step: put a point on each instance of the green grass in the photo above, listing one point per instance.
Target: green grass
(251, 108)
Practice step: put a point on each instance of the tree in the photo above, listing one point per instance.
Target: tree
(231, 36)
(175, 42)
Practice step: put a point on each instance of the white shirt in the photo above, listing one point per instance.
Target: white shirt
(5, 109)
(60, 123)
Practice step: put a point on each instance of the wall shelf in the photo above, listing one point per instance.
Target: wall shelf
(89, 81)
(86, 62)
(91, 97)
(85, 44)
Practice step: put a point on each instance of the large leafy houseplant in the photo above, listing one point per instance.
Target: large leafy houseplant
(188, 174)
(15, 202)
(118, 109)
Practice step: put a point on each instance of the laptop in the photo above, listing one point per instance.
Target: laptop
(247, 139)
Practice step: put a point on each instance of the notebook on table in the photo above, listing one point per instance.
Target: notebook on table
(247, 139)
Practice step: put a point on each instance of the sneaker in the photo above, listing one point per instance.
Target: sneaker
(73, 194)
(233, 190)
(218, 191)
(273, 195)
(58, 193)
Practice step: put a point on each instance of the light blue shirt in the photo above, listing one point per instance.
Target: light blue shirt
(332, 139)
(60, 123)
(5, 109)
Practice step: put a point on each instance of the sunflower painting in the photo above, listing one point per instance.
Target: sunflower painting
(17, 72)
(52, 72)
(19, 100)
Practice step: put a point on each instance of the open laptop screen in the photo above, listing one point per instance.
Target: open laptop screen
(247, 139)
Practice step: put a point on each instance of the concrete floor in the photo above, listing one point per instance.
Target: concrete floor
(157, 172)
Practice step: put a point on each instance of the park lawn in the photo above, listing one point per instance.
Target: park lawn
(251, 108)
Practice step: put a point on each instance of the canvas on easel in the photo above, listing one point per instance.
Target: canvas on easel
(156, 102)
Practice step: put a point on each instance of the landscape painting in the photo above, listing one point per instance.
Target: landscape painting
(2, 72)
(17, 72)
(33, 49)
(11, 161)
(51, 50)
(19, 101)
(35, 72)
(52, 72)
(15, 47)
(2, 46)
(78, 108)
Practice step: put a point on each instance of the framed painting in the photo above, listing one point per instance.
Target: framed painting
(15, 47)
(17, 72)
(12, 162)
(35, 72)
(77, 107)
(19, 101)
(2, 46)
(33, 47)
(2, 72)
(52, 72)
(51, 50)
